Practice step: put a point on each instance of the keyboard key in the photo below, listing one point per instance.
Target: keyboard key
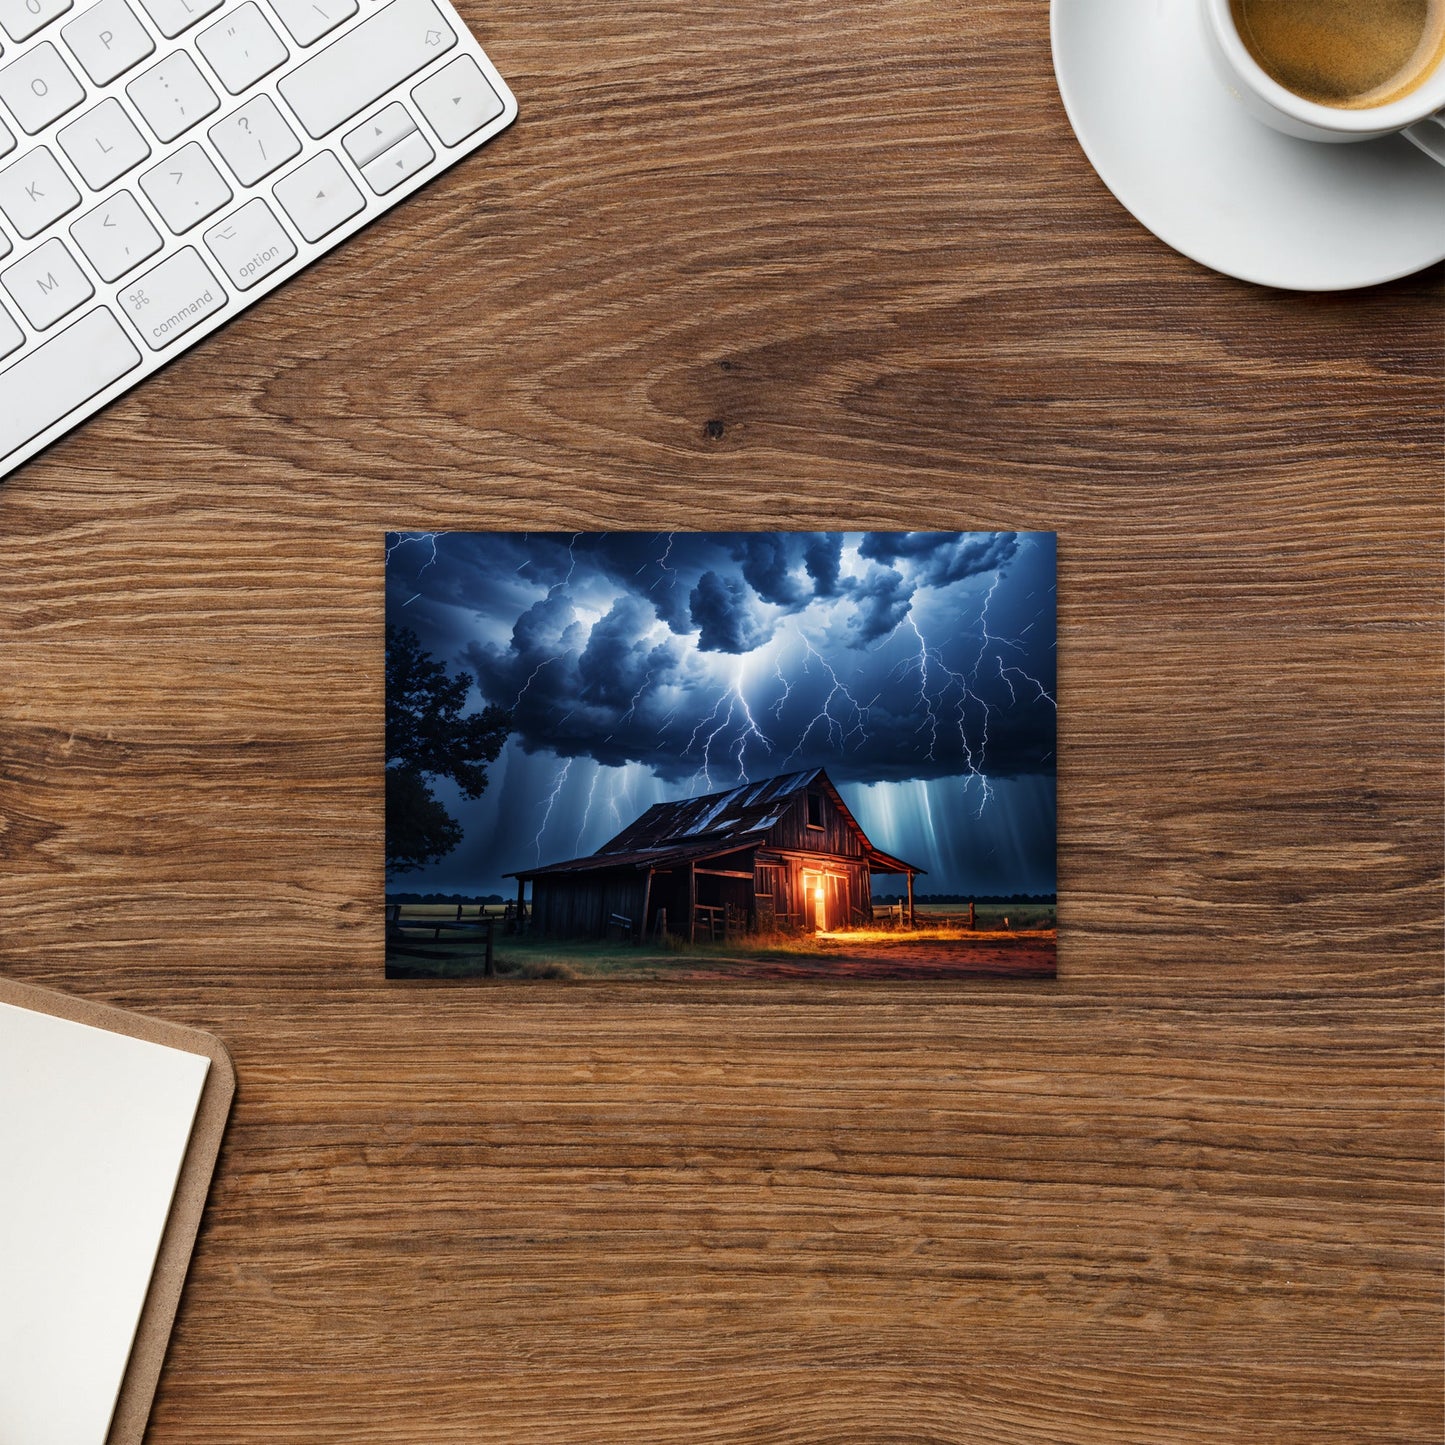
(5, 247)
(366, 62)
(173, 96)
(172, 299)
(309, 20)
(457, 101)
(12, 338)
(39, 88)
(255, 140)
(378, 134)
(44, 386)
(7, 139)
(34, 192)
(103, 144)
(107, 40)
(400, 163)
(22, 18)
(185, 188)
(241, 48)
(117, 236)
(318, 196)
(173, 16)
(250, 244)
(47, 284)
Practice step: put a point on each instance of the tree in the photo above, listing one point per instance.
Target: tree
(429, 737)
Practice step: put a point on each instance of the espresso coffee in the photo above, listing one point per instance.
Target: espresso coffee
(1352, 54)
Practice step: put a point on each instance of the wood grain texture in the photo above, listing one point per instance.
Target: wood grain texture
(796, 264)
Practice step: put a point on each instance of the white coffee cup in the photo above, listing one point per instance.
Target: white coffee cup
(1419, 115)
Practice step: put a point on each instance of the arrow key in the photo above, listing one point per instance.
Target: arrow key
(319, 195)
(116, 237)
(379, 133)
(457, 101)
(400, 163)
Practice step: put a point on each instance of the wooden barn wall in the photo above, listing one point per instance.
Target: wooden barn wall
(775, 888)
(860, 883)
(836, 836)
(580, 906)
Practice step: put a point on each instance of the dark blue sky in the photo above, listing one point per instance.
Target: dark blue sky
(917, 667)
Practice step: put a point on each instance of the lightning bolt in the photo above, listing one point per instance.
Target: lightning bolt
(975, 760)
(587, 811)
(856, 713)
(705, 771)
(549, 803)
(936, 707)
(957, 682)
(1041, 694)
(572, 559)
(1003, 673)
(631, 707)
(546, 661)
(777, 707)
(984, 638)
(402, 538)
(662, 562)
(987, 640)
(739, 712)
(751, 730)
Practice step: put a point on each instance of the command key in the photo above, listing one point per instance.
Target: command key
(169, 301)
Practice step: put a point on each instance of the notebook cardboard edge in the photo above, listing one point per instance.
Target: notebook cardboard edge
(148, 1352)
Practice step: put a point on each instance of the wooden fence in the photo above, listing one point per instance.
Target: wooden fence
(404, 936)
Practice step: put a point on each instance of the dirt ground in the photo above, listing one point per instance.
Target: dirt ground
(929, 953)
(1013, 955)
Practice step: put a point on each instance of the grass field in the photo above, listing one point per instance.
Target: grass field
(937, 948)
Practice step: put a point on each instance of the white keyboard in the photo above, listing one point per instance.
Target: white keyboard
(163, 163)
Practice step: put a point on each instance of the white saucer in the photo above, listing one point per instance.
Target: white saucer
(1166, 136)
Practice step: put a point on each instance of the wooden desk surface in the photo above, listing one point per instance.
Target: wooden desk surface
(807, 264)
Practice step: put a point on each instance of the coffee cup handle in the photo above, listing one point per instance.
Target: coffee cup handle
(1429, 135)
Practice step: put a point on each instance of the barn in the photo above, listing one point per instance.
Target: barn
(782, 853)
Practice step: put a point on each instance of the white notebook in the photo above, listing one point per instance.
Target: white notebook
(94, 1127)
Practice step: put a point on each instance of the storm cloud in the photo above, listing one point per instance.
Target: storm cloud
(917, 667)
(714, 657)
(723, 613)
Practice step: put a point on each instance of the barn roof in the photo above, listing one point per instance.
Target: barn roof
(694, 829)
(751, 808)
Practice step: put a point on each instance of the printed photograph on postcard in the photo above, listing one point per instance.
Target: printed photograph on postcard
(720, 755)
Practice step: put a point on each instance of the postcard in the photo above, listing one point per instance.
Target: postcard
(720, 755)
